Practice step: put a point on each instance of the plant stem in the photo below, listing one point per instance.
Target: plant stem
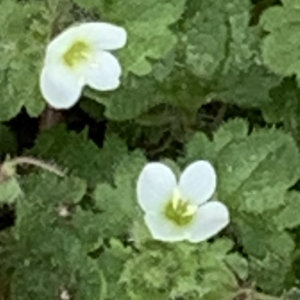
(261, 296)
(38, 163)
(252, 294)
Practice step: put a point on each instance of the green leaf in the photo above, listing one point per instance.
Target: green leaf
(280, 46)
(49, 202)
(93, 109)
(219, 39)
(249, 88)
(223, 51)
(292, 294)
(289, 216)
(79, 154)
(148, 34)
(270, 273)
(260, 236)
(147, 25)
(215, 253)
(199, 146)
(180, 270)
(254, 171)
(118, 204)
(46, 193)
(269, 250)
(239, 265)
(22, 56)
(88, 4)
(79, 278)
(8, 141)
(284, 107)
(50, 247)
(138, 95)
(163, 67)
(111, 263)
(206, 41)
(131, 100)
(10, 191)
(86, 225)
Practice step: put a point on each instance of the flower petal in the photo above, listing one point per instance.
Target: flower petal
(155, 187)
(104, 72)
(101, 36)
(164, 230)
(211, 218)
(60, 45)
(104, 36)
(198, 182)
(60, 88)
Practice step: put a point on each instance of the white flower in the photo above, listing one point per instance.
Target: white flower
(79, 56)
(180, 211)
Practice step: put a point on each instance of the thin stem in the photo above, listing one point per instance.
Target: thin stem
(261, 296)
(219, 118)
(50, 118)
(37, 163)
(252, 294)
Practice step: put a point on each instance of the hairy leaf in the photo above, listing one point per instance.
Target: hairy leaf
(79, 154)
(280, 46)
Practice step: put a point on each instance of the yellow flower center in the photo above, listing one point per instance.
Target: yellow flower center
(76, 54)
(180, 211)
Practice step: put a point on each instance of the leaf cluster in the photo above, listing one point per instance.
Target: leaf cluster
(202, 80)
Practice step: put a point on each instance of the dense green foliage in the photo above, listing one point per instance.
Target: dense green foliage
(214, 80)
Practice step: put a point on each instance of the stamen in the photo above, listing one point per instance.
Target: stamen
(79, 52)
(176, 199)
(180, 211)
(190, 210)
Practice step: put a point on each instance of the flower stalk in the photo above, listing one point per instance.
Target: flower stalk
(252, 294)
(7, 169)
